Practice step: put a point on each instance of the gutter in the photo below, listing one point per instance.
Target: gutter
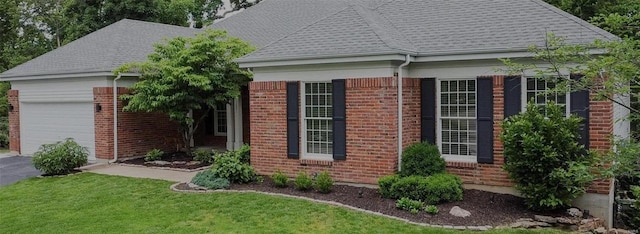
(115, 118)
(400, 76)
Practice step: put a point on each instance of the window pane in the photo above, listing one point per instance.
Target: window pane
(318, 113)
(457, 118)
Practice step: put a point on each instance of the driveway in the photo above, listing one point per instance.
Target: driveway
(15, 168)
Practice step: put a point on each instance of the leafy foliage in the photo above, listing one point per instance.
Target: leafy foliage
(60, 158)
(244, 153)
(385, 184)
(229, 166)
(324, 183)
(409, 205)
(634, 221)
(188, 74)
(208, 180)
(431, 209)
(4, 132)
(422, 159)
(153, 155)
(280, 179)
(303, 181)
(431, 190)
(544, 159)
(204, 156)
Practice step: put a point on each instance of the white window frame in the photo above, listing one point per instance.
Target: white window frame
(524, 100)
(449, 157)
(303, 130)
(216, 117)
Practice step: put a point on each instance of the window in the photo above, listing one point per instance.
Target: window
(457, 136)
(220, 120)
(317, 120)
(537, 90)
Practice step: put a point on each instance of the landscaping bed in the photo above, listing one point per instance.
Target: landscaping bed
(486, 208)
(178, 160)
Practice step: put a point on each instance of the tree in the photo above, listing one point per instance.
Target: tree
(188, 74)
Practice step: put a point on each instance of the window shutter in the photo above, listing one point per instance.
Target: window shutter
(428, 110)
(579, 105)
(485, 119)
(293, 120)
(339, 120)
(512, 95)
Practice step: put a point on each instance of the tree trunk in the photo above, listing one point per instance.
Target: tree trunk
(189, 130)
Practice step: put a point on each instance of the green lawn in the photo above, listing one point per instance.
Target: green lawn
(91, 203)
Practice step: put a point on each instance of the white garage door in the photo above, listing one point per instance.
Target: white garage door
(44, 123)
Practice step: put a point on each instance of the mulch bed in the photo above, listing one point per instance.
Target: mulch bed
(169, 157)
(486, 208)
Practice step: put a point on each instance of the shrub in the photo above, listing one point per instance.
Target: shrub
(153, 155)
(229, 166)
(208, 180)
(385, 184)
(432, 190)
(409, 204)
(4, 132)
(280, 179)
(544, 159)
(60, 158)
(431, 209)
(204, 156)
(422, 159)
(324, 183)
(244, 153)
(303, 181)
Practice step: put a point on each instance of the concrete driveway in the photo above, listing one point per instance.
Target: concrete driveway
(15, 168)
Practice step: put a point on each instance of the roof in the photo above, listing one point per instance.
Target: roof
(288, 30)
(101, 51)
(429, 27)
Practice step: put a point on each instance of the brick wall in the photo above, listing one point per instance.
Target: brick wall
(371, 131)
(601, 123)
(14, 121)
(137, 132)
(410, 111)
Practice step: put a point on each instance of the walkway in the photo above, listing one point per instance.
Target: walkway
(16, 168)
(140, 172)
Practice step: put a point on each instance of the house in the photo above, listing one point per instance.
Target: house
(338, 85)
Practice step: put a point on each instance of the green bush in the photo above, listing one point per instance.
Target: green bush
(544, 159)
(60, 158)
(431, 209)
(204, 156)
(409, 205)
(324, 183)
(385, 184)
(208, 180)
(244, 153)
(631, 217)
(432, 189)
(229, 166)
(4, 132)
(303, 181)
(153, 155)
(280, 179)
(422, 159)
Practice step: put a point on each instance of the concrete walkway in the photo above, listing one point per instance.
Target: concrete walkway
(140, 172)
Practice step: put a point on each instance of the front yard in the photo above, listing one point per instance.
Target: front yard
(89, 203)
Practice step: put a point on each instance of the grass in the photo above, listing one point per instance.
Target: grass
(90, 203)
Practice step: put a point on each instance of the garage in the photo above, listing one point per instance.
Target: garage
(44, 123)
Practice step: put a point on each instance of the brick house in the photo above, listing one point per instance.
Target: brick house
(338, 85)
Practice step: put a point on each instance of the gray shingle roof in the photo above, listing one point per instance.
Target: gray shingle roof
(103, 50)
(430, 27)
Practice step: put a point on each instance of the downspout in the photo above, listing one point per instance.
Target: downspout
(115, 118)
(406, 62)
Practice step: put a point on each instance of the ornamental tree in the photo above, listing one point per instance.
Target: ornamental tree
(188, 74)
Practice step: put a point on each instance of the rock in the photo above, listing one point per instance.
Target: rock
(459, 212)
(565, 220)
(158, 162)
(193, 163)
(179, 163)
(546, 219)
(590, 224)
(524, 220)
(575, 212)
(600, 230)
(619, 231)
(529, 224)
(196, 187)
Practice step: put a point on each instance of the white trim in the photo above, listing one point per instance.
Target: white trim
(309, 61)
(449, 157)
(215, 121)
(524, 100)
(303, 129)
(63, 75)
(230, 121)
(237, 113)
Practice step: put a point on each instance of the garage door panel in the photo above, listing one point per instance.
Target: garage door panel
(45, 123)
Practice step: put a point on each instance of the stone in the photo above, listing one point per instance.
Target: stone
(590, 224)
(179, 163)
(529, 224)
(565, 220)
(619, 231)
(575, 212)
(158, 162)
(600, 230)
(196, 187)
(546, 219)
(459, 212)
(193, 163)
(524, 220)
(459, 227)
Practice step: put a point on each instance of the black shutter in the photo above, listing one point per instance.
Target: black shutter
(512, 96)
(293, 122)
(339, 120)
(485, 119)
(428, 110)
(579, 105)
